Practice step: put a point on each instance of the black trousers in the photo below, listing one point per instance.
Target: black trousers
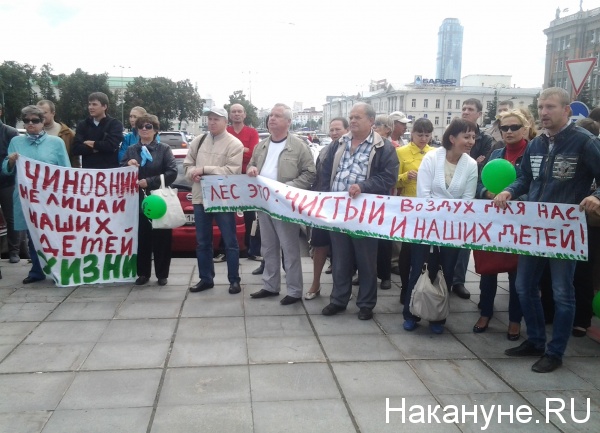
(384, 259)
(153, 242)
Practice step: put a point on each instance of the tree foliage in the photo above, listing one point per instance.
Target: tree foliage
(165, 99)
(16, 89)
(74, 91)
(490, 116)
(238, 97)
(45, 82)
(533, 107)
(585, 96)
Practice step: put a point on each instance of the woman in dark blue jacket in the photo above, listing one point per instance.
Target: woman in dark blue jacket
(153, 159)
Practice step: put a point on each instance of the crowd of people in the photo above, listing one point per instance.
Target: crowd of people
(558, 164)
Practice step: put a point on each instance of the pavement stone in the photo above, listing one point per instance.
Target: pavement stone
(123, 358)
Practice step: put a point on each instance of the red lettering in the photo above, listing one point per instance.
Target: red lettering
(505, 229)
(46, 247)
(66, 226)
(82, 224)
(51, 179)
(288, 196)
(118, 206)
(311, 205)
(468, 207)
(406, 205)
(45, 222)
(380, 212)
(484, 232)
(566, 239)
(214, 193)
(556, 212)
(126, 246)
(542, 211)
(67, 244)
(52, 200)
(232, 192)
(489, 206)
(430, 206)
(433, 229)
(70, 184)
(110, 245)
(337, 205)
(100, 186)
(549, 237)
(86, 181)
(224, 192)
(523, 235)
(419, 228)
(253, 190)
(33, 177)
(570, 215)
(520, 208)
(401, 226)
(321, 204)
(103, 225)
(102, 206)
(348, 208)
(33, 196)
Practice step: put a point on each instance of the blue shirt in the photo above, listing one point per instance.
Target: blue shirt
(48, 149)
(353, 167)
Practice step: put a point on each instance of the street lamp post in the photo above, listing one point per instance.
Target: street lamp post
(122, 93)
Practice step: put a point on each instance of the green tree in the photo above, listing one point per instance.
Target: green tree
(16, 89)
(189, 103)
(45, 82)
(490, 116)
(533, 107)
(238, 97)
(157, 95)
(313, 125)
(74, 91)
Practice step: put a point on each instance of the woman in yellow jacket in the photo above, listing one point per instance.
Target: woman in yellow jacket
(410, 157)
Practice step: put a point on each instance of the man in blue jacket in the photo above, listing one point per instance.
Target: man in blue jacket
(557, 167)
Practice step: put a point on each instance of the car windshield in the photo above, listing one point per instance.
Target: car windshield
(181, 182)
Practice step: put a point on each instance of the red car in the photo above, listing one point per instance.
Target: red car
(184, 237)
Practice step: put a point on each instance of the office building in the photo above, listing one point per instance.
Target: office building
(449, 55)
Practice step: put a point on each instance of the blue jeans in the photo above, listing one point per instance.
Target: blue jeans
(488, 284)
(36, 271)
(529, 272)
(204, 243)
(441, 256)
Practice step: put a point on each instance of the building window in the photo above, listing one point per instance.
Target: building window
(556, 65)
(425, 115)
(437, 103)
(437, 120)
(413, 104)
(458, 104)
(448, 120)
(592, 36)
(425, 103)
(567, 42)
(449, 104)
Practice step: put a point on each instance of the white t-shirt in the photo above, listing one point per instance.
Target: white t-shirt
(269, 168)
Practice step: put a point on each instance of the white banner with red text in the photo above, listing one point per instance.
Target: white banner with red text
(83, 223)
(540, 229)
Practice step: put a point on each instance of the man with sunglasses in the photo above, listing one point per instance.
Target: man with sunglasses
(471, 110)
(7, 186)
(97, 138)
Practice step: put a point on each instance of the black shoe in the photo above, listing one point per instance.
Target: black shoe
(235, 288)
(288, 300)
(385, 285)
(396, 270)
(141, 280)
(578, 331)
(365, 314)
(260, 269)
(29, 280)
(525, 349)
(546, 364)
(355, 282)
(328, 270)
(162, 281)
(201, 286)
(332, 309)
(262, 293)
(461, 291)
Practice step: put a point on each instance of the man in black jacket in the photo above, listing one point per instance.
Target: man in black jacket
(7, 186)
(359, 162)
(97, 138)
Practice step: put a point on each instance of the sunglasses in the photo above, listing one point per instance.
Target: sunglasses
(147, 126)
(513, 128)
(35, 121)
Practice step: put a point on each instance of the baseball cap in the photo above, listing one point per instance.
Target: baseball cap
(218, 111)
(399, 116)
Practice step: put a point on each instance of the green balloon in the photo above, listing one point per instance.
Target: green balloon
(596, 304)
(497, 175)
(154, 207)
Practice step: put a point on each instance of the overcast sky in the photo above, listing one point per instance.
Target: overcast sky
(283, 51)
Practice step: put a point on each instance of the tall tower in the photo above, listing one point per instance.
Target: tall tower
(449, 55)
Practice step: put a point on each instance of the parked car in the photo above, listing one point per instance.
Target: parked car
(184, 237)
(175, 139)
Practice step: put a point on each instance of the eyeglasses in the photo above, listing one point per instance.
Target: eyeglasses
(513, 128)
(35, 121)
(147, 126)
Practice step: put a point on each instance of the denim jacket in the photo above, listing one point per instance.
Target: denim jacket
(563, 175)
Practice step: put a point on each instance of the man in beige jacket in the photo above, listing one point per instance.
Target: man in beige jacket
(285, 158)
(217, 152)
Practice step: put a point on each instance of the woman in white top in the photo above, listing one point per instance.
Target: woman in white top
(447, 172)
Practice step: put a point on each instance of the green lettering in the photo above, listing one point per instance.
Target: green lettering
(130, 266)
(91, 272)
(68, 271)
(111, 267)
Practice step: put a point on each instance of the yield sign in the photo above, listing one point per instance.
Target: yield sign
(579, 70)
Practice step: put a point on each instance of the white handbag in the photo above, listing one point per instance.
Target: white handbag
(429, 301)
(174, 216)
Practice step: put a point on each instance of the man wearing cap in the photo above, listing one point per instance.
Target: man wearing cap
(215, 153)
(285, 158)
(400, 124)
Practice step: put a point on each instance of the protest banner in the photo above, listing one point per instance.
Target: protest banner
(540, 229)
(83, 223)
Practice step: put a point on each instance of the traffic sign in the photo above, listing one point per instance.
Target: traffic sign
(579, 70)
(580, 111)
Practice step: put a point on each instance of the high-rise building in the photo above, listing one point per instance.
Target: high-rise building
(449, 55)
(573, 37)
